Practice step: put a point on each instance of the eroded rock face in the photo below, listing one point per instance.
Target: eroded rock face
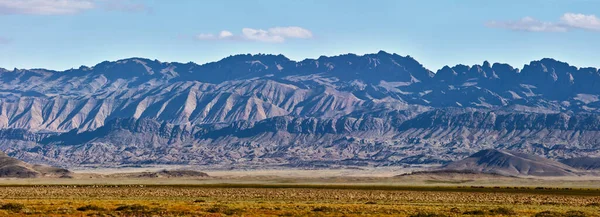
(377, 109)
(434, 137)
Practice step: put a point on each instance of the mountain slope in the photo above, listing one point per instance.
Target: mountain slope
(510, 163)
(585, 163)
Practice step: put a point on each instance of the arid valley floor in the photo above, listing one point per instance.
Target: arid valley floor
(300, 193)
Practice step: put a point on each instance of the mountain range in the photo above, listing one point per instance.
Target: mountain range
(267, 110)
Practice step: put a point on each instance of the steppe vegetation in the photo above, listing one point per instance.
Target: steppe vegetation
(294, 200)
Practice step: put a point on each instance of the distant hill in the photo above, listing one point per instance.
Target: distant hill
(13, 168)
(586, 163)
(511, 163)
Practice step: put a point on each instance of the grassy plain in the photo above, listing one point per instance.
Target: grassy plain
(301, 193)
(294, 200)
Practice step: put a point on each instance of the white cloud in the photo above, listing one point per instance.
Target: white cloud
(222, 35)
(528, 24)
(225, 34)
(62, 7)
(582, 21)
(261, 35)
(291, 32)
(44, 7)
(206, 37)
(568, 21)
(271, 35)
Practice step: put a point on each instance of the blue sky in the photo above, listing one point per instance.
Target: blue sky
(62, 34)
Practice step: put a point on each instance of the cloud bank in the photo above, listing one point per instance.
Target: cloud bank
(581, 21)
(271, 35)
(567, 22)
(66, 7)
(44, 7)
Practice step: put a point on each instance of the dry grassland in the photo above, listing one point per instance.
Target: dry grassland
(293, 200)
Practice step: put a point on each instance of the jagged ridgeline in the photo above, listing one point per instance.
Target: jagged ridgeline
(255, 110)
